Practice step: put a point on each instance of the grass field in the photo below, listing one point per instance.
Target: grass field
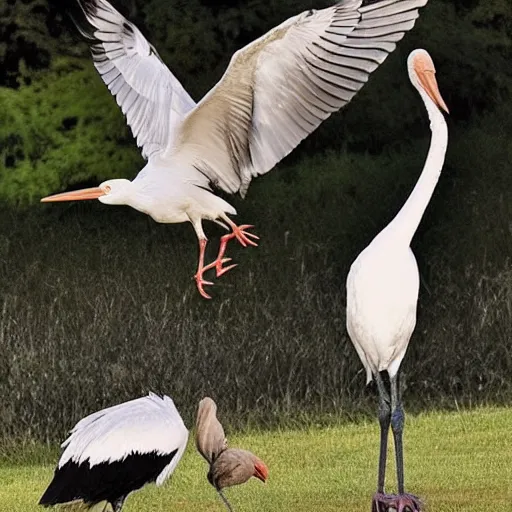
(456, 462)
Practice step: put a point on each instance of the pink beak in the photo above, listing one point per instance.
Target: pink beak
(429, 83)
(75, 195)
(261, 471)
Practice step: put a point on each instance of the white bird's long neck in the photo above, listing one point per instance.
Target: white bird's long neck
(408, 218)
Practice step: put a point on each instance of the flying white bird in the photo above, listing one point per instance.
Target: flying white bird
(228, 466)
(116, 451)
(274, 93)
(383, 285)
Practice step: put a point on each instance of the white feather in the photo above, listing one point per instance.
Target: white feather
(383, 282)
(144, 425)
(275, 92)
(149, 95)
(382, 295)
(279, 88)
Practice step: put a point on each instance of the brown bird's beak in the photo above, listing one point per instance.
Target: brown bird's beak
(426, 72)
(75, 195)
(261, 471)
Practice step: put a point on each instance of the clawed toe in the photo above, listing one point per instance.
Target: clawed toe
(243, 236)
(222, 270)
(381, 502)
(200, 282)
(398, 503)
(248, 234)
(219, 269)
(408, 503)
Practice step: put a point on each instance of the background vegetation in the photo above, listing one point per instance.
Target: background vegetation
(97, 303)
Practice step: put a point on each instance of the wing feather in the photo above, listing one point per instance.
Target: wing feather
(278, 89)
(150, 96)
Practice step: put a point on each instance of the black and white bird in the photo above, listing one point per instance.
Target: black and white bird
(118, 450)
(274, 93)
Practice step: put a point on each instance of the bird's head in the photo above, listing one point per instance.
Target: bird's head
(260, 470)
(422, 74)
(234, 467)
(109, 192)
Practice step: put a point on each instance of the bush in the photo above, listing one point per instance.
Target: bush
(61, 130)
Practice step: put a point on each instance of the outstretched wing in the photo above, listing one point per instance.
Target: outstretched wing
(278, 89)
(150, 96)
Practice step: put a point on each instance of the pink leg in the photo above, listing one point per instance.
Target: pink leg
(200, 282)
(239, 232)
(202, 268)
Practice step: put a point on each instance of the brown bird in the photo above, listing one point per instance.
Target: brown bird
(228, 466)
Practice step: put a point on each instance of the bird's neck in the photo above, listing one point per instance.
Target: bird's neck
(406, 222)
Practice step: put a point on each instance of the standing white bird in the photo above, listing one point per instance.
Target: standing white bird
(274, 93)
(118, 450)
(383, 285)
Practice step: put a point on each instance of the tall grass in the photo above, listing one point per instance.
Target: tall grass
(98, 305)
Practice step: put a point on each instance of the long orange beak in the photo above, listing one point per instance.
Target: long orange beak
(260, 471)
(428, 81)
(76, 195)
(426, 72)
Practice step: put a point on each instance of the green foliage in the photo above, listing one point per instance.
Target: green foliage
(23, 38)
(28, 39)
(63, 129)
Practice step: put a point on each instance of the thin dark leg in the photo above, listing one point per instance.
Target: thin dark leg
(400, 502)
(225, 500)
(118, 504)
(384, 420)
(380, 500)
(403, 501)
(397, 426)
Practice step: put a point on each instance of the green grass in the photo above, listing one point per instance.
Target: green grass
(456, 462)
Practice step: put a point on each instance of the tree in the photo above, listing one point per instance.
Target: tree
(31, 34)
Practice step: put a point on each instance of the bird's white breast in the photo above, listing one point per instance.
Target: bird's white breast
(382, 294)
(173, 195)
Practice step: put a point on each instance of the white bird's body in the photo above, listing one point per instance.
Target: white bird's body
(383, 285)
(274, 93)
(174, 197)
(383, 281)
(117, 450)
